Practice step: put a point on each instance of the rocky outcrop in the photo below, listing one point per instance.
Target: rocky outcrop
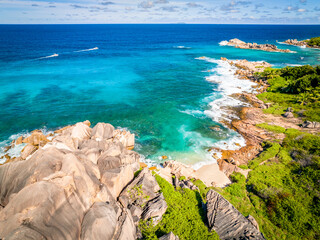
(68, 187)
(227, 221)
(169, 236)
(247, 69)
(303, 43)
(312, 125)
(264, 47)
(295, 42)
(143, 199)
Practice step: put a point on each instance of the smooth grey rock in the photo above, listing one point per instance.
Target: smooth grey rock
(106, 163)
(95, 221)
(288, 115)
(155, 209)
(169, 236)
(102, 131)
(116, 179)
(227, 221)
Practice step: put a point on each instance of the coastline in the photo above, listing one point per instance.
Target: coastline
(235, 83)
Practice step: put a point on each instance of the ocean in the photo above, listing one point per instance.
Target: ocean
(148, 79)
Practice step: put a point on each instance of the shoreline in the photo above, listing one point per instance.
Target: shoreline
(229, 160)
(208, 172)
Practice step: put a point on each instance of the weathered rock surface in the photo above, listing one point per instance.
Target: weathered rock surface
(67, 187)
(264, 47)
(169, 236)
(227, 221)
(143, 199)
(309, 124)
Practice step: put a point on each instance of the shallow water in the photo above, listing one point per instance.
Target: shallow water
(146, 78)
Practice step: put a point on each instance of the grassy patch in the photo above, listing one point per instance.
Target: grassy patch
(271, 128)
(184, 217)
(296, 87)
(283, 194)
(270, 151)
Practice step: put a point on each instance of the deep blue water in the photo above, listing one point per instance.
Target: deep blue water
(138, 78)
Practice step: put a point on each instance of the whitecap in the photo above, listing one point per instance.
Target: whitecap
(87, 50)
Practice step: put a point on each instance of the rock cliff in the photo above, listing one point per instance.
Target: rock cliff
(67, 186)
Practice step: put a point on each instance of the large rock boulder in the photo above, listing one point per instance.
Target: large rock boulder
(102, 131)
(67, 188)
(95, 221)
(227, 221)
(155, 209)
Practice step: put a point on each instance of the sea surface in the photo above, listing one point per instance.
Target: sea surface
(165, 83)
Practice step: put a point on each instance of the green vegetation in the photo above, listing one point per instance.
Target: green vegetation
(314, 41)
(296, 87)
(270, 151)
(283, 194)
(282, 191)
(184, 217)
(271, 128)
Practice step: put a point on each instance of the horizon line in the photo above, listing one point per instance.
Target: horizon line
(284, 24)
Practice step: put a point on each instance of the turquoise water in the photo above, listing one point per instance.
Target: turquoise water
(139, 78)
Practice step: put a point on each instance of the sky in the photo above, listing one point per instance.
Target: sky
(160, 11)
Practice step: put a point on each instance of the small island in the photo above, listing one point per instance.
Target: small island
(264, 47)
(310, 43)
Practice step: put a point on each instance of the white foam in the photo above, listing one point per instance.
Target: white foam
(194, 113)
(228, 84)
(182, 47)
(50, 56)
(87, 50)
(16, 150)
(223, 43)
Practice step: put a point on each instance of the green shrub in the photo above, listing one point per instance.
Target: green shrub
(297, 87)
(314, 41)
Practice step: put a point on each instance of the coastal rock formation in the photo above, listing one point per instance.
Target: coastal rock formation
(247, 69)
(295, 42)
(68, 187)
(227, 221)
(264, 47)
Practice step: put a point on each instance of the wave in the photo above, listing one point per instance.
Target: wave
(182, 47)
(223, 43)
(50, 56)
(194, 113)
(87, 50)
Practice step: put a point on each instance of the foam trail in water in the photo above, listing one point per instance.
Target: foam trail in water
(51, 56)
(87, 50)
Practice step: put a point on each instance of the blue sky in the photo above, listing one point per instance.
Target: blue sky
(160, 11)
